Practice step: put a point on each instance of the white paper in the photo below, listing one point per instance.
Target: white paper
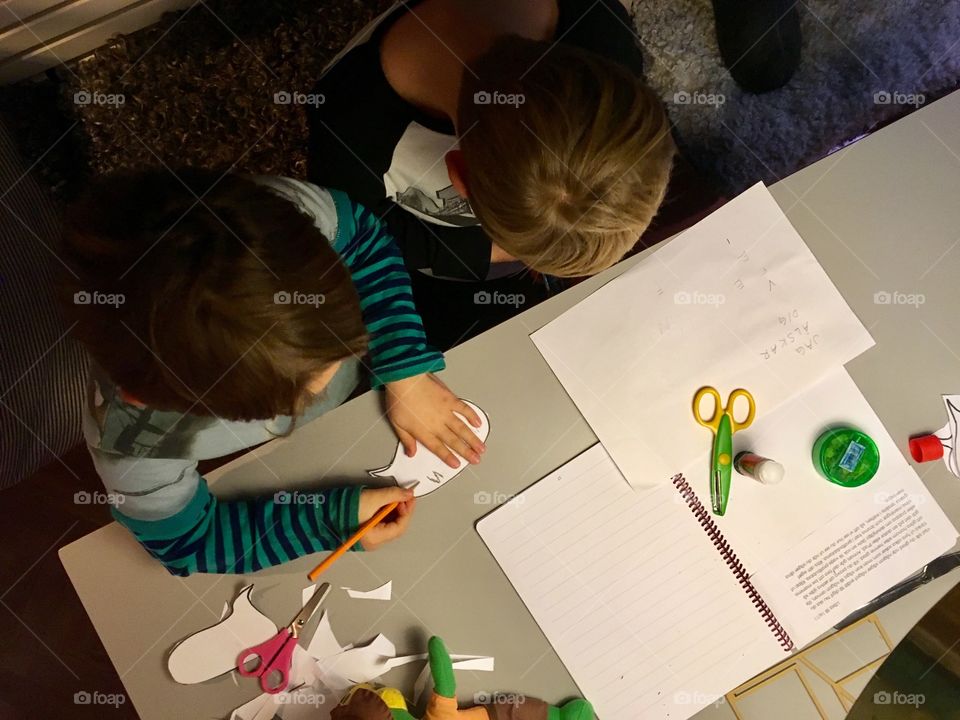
(252, 710)
(425, 472)
(483, 663)
(361, 664)
(948, 434)
(384, 592)
(324, 643)
(214, 650)
(629, 590)
(738, 300)
(855, 557)
(307, 593)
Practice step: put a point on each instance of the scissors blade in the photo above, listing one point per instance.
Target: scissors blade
(319, 595)
(716, 492)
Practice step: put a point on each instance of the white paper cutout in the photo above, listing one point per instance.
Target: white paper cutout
(361, 664)
(307, 593)
(213, 651)
(324, 643)
(484, 663)
(948, 434)
(384, 592)
(426, 468)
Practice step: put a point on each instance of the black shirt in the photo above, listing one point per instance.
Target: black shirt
(388, 155)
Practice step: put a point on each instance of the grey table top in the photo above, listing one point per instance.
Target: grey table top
(880, 215)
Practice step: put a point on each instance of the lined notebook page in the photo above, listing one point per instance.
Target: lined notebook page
(629, 590)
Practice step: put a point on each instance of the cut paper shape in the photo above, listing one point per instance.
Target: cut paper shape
(213, 651)
(361, 664)
(307, 593)
(425, 472)
(384, 592)
(948, 433)
(324, 643)
(483, 663)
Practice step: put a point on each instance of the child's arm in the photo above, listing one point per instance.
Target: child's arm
(398, 345)
(189, 530)
(420, 408)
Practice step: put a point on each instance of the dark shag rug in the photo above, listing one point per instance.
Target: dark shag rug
(199, 87)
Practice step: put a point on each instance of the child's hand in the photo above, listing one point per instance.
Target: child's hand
(392, 526)
(421, 408)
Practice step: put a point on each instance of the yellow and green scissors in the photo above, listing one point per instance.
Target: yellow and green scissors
(724, 426)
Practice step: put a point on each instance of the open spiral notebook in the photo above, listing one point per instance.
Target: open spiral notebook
(657, 608)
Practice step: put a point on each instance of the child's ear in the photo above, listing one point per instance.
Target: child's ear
(457, 171)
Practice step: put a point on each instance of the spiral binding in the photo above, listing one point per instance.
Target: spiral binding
(730, 558)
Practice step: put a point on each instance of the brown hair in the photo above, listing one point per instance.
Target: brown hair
(182, 288)
(567, 154)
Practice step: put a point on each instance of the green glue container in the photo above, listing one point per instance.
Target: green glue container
(846, 457)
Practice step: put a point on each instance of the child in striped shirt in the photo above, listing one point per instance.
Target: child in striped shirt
(220, 311)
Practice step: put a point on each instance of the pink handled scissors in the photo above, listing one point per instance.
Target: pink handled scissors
(271, 660)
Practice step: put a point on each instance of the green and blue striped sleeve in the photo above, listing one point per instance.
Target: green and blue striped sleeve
(243, 536)
(398, 345)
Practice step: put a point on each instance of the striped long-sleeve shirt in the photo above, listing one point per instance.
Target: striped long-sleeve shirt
(148, 458)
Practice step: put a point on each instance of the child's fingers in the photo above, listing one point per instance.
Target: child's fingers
(464, 432)
(435, 444)
(372, 499)
(389, 530)
(464, 445)
(408, 441)
(452, 441)
(469, 413)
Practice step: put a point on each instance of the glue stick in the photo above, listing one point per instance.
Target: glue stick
(758, 467)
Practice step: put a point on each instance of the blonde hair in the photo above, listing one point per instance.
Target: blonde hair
(567, 154)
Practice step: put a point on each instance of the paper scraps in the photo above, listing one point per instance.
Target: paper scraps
(948, 434)
(460, 662)
(213, 651)
(321, 671)
(425, 468)
(384, 592)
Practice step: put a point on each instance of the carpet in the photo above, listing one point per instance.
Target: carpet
(864, 63)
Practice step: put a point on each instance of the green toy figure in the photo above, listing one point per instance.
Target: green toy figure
(366, 702)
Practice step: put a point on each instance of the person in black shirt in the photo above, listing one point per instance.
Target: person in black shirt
(483, 133)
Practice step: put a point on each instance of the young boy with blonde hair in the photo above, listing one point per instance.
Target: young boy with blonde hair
(498, 131)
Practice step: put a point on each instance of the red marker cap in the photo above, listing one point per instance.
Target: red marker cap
(925, 448)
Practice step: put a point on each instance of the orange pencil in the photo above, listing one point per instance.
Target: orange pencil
(363, 530)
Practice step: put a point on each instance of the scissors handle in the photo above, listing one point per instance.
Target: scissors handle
(714, 421)
(736, 425)
(273, 661)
